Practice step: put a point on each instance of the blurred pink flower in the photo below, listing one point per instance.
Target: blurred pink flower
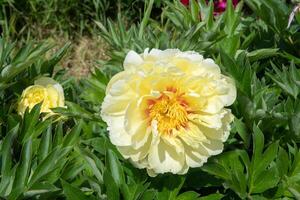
(185, 2)
(219, 5)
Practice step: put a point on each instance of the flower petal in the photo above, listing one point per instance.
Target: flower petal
(140, 153)
(165, 158)
(117, 133)
(191, 135)
(52, 84)
(132, 61)
(221, 133)
(230, 95)
(214, 147)
(118, 98)
(195, 157)
(208, 120)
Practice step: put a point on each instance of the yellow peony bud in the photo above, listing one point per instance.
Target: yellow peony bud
(44, 90)
(166, 111)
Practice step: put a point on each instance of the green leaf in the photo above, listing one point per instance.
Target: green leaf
(23, 60)
(40, 127)
(194, 10)
(73, 135)
(265, 180)
(73, 169)
(145, 18)
(190, 195)
(48, 65)
(30, 120)
(58, 136)
(40, 188)
(5, 50)
(45, 144)
(94, 163)
(112, 190)
(73, 110)
(258, 197)
(94, 87)
(6, 161)
(115, 168)
(242, 131)
(49, 164)
(268, 156)
(217, 170)
(22, 172)
(73, 193)
(210, 16)
(288, 80)
(149, 195)
(232, 167)
(282, 162)
(262, 54)
(170, 185)
(258, 144)
(197, 179)
(99, 144)
(229, 64)
(212, 197)
(263, 173)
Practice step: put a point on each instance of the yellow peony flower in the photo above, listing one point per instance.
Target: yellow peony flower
(165, 112)
(44, 90)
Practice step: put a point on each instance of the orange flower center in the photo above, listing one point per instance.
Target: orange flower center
(169, 110)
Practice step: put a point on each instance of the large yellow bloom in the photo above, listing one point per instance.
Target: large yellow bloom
(165, 112)
(44, 90)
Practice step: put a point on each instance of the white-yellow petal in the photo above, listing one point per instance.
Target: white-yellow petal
(195, 157)
(117, 133)
(165, 158)
(132, 61)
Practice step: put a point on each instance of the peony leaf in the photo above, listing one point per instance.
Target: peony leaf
(241, 129)
(114, 167)
(7, 161)
(262, 54)
(190, 195)
(194, 10)
(212, 197)
(23, 171)
(31, 118)
(45, 144)
(73, 193)
(48, 164)
(112, 189)
(73, 135)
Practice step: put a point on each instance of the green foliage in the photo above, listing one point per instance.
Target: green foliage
(69, 155)
(288, 81)
(71, 16)
(244, 176)
(30, 164)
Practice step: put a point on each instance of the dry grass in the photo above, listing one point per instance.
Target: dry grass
(83, 54)
(85, 51)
